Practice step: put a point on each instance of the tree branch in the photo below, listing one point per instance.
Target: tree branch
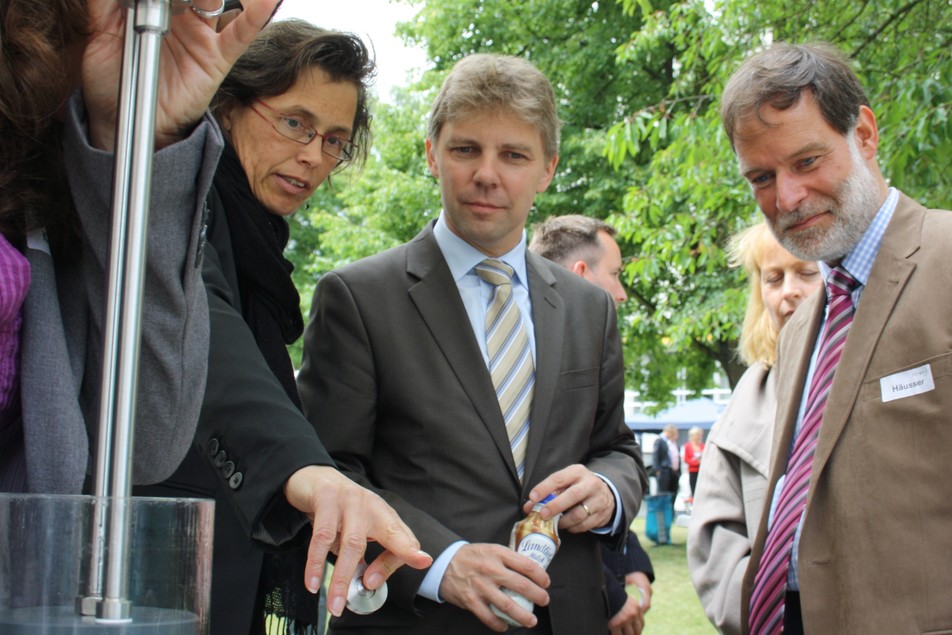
(897, 16)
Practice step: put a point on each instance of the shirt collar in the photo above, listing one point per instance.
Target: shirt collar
(461, 257)
(859, 262)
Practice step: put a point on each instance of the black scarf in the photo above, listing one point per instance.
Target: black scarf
(270, 305)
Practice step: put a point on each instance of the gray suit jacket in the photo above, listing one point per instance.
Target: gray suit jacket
(63, 314)
(395, 383)
(876, 545)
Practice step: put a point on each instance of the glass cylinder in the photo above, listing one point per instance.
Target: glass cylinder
(50, 556)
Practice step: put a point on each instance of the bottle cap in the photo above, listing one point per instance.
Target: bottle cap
(362, 600)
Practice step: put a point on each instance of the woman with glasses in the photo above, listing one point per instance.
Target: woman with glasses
(293, 109)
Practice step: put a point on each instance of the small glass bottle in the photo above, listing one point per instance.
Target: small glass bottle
(537, 539)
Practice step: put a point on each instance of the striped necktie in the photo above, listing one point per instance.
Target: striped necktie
(510, 360)
(767, 600)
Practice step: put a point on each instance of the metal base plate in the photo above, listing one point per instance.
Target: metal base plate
(63, 620)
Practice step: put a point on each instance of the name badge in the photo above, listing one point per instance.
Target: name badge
(907, 383)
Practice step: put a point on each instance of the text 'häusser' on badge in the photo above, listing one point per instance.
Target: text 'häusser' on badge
(907, 383)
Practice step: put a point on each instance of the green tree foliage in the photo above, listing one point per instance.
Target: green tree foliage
(638, 83)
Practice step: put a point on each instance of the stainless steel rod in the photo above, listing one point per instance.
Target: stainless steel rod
(102, 477)
(107, 586)
(151, 23)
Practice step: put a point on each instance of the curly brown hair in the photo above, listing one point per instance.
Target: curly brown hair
(33, 91)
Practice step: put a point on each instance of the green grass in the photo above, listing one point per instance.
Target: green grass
(675, 609)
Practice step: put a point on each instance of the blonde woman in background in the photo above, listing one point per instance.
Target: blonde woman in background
(732, 481)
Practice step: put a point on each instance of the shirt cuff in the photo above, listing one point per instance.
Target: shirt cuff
(430, 587)
(612, 528)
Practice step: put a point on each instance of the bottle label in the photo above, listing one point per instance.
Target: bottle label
(539, 548)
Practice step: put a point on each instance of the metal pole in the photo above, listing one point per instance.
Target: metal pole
(107, 580)
(90, 596)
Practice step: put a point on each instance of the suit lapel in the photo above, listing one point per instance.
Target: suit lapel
(890, 273)
(51, 414)
(436, 297)
(548, 318)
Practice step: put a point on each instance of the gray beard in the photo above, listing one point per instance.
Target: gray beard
(854, 205)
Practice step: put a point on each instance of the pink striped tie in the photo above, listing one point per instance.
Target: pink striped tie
(767, 600)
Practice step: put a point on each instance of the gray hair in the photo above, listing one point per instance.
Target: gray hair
(778, 76)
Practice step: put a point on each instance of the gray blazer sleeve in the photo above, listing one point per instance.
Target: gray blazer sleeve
(174, 345)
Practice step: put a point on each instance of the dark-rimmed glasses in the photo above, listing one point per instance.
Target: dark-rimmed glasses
(296, 130)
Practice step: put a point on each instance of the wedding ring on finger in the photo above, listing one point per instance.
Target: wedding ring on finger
(588, 512)
(202, 13)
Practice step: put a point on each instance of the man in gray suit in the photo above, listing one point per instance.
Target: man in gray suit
(396, 379)
(863, 439)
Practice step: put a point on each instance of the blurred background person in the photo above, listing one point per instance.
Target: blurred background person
(693, 452)
(587, 247)
(667, 462)
(59, 77)
(732, 482)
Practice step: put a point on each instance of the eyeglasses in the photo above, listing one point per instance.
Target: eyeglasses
(296, 130)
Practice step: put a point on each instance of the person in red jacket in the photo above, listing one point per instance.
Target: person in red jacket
(693, 450)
